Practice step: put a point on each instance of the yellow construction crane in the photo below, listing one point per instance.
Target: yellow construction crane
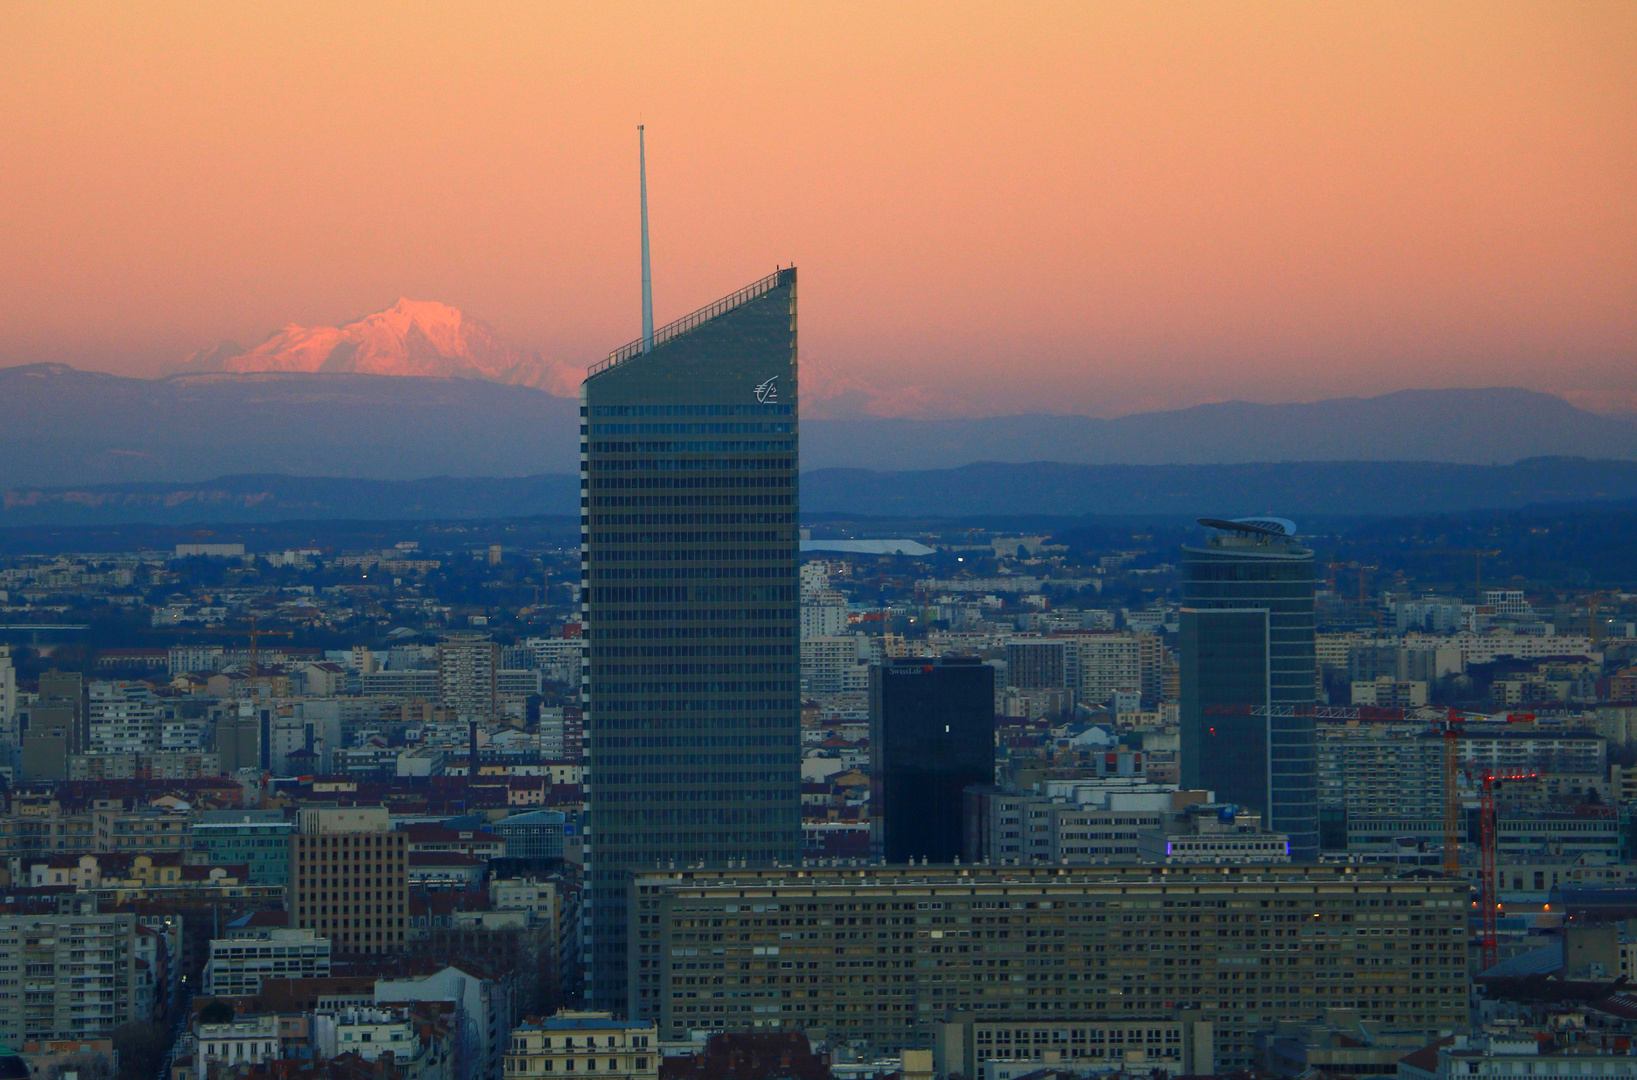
(255, 637)
(1452, 793)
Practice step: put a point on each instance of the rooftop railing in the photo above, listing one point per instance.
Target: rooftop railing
(688, 322)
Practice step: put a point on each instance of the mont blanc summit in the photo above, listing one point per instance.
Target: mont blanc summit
(410, 338)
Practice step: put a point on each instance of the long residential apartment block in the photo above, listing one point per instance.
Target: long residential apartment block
(881, 954)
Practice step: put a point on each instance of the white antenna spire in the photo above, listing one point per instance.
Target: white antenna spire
(647, 271)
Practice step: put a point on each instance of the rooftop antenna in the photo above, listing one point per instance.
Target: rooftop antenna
(647, 272)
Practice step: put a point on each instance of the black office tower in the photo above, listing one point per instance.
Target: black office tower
(1247, 671)
(688, 523)
(932, 735)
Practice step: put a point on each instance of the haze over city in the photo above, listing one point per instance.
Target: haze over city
(1072, 208)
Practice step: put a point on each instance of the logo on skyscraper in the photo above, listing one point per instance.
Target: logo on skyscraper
(766, 392)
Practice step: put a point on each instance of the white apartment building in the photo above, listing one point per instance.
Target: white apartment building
(830, 664)
(1101, 665)
(125, 717)
(1386, 692)
(245, 1040)
(8, 703)
(558, 659)
(238, 964)
(1486, 648)
(823, 614)
(367, 1032)
(193, 658)
(68, 975)
(579, 1043)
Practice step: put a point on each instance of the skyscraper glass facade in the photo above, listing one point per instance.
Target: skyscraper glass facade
(932, 735)
(1248, 640)
(688, 585)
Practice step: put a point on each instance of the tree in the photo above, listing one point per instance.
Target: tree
(216, 1012)
(141, 1048)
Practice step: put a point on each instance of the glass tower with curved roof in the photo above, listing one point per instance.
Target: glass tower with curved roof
(688, 520)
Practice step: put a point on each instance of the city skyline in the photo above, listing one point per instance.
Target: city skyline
(1103, 211)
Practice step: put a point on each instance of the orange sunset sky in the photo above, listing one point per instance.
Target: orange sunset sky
(1087, 207)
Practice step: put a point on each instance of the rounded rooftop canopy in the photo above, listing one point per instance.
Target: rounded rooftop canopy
(1255, 526)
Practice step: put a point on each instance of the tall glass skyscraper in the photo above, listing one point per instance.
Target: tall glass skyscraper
(932, 735)
(1247, 642)
(688, 504)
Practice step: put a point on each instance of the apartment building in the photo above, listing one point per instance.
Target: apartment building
(583, 1043)
(1175, 1043)
(349, 879)
(118, 826)
(260, 839)
(124, 717)
(832, 665)
(239, 962)
(880, 954)
(66, 973)
(1506, 752)
(1380, 771)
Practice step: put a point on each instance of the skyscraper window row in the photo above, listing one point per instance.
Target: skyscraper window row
(761, 518)
(760, 409)
(670, 631)
(652, 554)
(635, 574)
(1293, 593)
(602, 483)
(691, 723)
(690, 500)
(738, 536)
(693, 429)
(668, 742)
(1205, 570)
(742, 446)
(751, 686)
(649, 670)
(663, 706)
(699, 464)
(695, 650)
(692, 778)
(717, 760)
(681, 615)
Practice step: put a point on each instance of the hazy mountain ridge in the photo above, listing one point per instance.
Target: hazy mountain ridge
(1477, 426)
(71, 427)
(68, 427)
(1040, 488)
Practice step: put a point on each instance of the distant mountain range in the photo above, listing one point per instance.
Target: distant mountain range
(1480, 426)
(416, 338)
(66, 427)
(69, 427)
(1367, 489)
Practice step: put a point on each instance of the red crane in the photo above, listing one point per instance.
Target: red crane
(1486, 893)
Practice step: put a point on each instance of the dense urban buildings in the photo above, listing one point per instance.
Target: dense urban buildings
(688, 518)
(932, 735)
(1248, 666)
(173, 775)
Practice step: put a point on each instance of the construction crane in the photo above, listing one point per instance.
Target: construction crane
(1452, 794)
(1594, 628)
(1486, 891)
(1489, 886)
(255, 637)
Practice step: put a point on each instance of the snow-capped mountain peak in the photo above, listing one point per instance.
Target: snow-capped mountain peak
(410, 338)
